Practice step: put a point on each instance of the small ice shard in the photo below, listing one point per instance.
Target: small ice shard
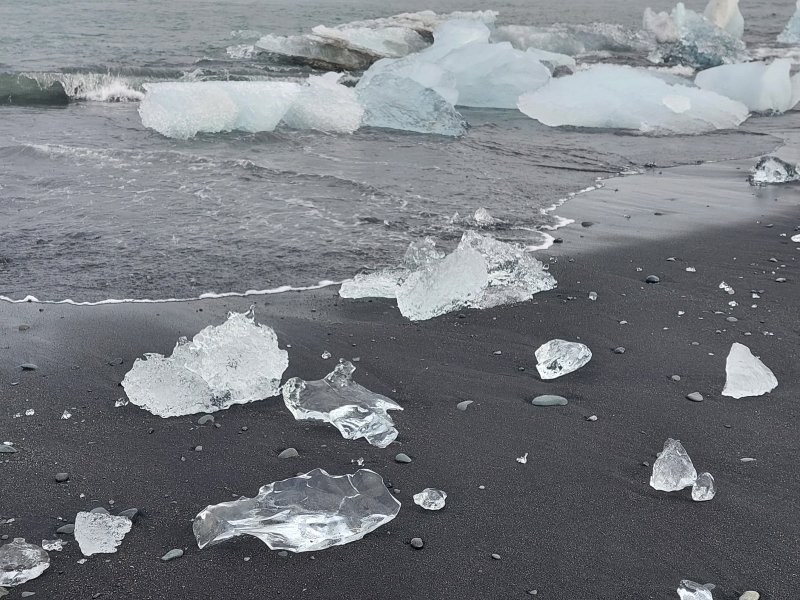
(559, 357)
(689, 590)
(703, 489)
(523, 459)
(232, 363)
(726, 288)
(324, 104)
(30, 412)
(726, 15)
(100, 533)
(325, 355)
(673, 469)
(354, 410)
(746, 375)
(21, 562)
(306, 513)
(771, 169)
(430, 499)
(762, 87)
(66, 414)
(791, 33)
(121, 402)
(53, 545)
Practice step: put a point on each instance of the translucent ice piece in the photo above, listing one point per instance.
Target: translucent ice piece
(673, 469)
(306, 513)
(354, 410)
(325, 105)
(559, 357)
(726, 15)
(791, 33)
(689, 590)
(315, 51)
(100, 533)
(53, 545)
(233, 363)
(760, 86)
(21, 562)
(572, 38)
(771, 169)
(703, 489)
(430, 499)
(746, 375)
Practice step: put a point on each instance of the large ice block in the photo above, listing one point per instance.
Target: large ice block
(760, 86)
(306, 513)
(232, 363)
(620, 97)
(746, 375)
(21, 562)
(791, 33)
(353, 409)
(560, 357)
(100, 533)
(771, 169)
(325, 105)
(673, 469)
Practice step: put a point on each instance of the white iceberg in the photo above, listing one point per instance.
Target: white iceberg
(21, 562)
(746, 375)
(100, 533)
(560, 357)
(760, 86)
(621, 97)
(791, 33)
(771, 169)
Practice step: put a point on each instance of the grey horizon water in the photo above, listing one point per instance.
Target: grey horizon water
(94, 206)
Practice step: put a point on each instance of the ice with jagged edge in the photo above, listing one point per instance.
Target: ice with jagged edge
(100, 533)
(336, 399)
(324, 104)
(685, 36)
(430, 499)
(762, 87)
(569, 39)
(622, 97)
(689, 590)
(310, 512)
(703, 488)
(21, 562)
(673, 469)
(560, 357)
(745, 375)
(233, 363)
(771, 169)
(791, 33)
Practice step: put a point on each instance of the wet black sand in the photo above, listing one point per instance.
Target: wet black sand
(577, 522)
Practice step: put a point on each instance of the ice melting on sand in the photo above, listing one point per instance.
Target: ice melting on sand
(771, 169)
(621, 97)
(430, 499)
(233, 363)
(100, 533)
(791, 33)
(354, 410)
(746, 375)
(559, 357)
(762, 87)
(306, 513)
(673, 470)
(703, 489)
(689, 590)
(21, 562)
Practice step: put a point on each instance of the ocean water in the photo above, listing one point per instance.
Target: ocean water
(95, 206)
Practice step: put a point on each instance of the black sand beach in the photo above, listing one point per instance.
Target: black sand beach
(577, 522)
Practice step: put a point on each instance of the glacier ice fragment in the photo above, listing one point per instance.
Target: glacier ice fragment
(791, 33)
(306, 513)
(746, 375)
(703, 489)
(324, 104)
(762, 87)
(559, 357)
(572, 39)
(21, 562)
(771, 169)
(673, 469)
(430, 499)
(53, 545)
(354, 410)
(726, 15)
(689, 590)
(232, 363)
(100, 533)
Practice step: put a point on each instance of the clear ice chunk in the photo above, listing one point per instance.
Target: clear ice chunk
(430, 499)
(746, 375)
(559, 357)
(762, 87)
(21, 562)
(726, 15)
(703, 489)
(622, 97)
(689, 590)
(306, 513)
(771, 169)
(791, 33)
(53, 545)
(354, 410)
(100, 533)
(673, 469)
(324, 104)
(232, 363)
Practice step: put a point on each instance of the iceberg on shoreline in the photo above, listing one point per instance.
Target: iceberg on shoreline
(760, 86)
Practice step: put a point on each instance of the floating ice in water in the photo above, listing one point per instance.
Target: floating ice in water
(354, 410)
(380, 42)
(306, 513)
(673, 469)
(233, 363)
(483, 218)
(771, 169)
(100, 533)
(689, 590)
(552, 60)
(726, 15)
(572, 39)
(325, 105)
(21, 562)
(703, 489)
(559, 357)
(53, 545)
(728, 289)
(430, 499)
(621, 97)
(791, 33)
(757, 85)
(315, 51)
(746, 375)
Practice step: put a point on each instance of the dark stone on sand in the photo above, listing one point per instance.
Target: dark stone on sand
(283, 554)
(172, 555)
(587, 224)
(289, 453)
(417, 543)
(130, 513)
(652, 279)
(463, 405)
(205, 419)
(24, 327)
(99, 510)
(496, 556)
(695, 397)
(676, 378)
(732, 320)
(28, 367)
(402, 458)
(69, 528)
(115, 362)
(549, 400)
(62, 477)
(558, 241)
(619, 350)
(781, 280)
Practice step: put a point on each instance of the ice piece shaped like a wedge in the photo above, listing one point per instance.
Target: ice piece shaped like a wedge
(673, 469)
(689, 590)
(762, 87)
(771, 169)
(354, 410)
(306, 513)
(791, 33)
(746, 375)
(559, 357)
(100, 533)
(21, 562)
(704, 489)
(232, 363)
(430, 499)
